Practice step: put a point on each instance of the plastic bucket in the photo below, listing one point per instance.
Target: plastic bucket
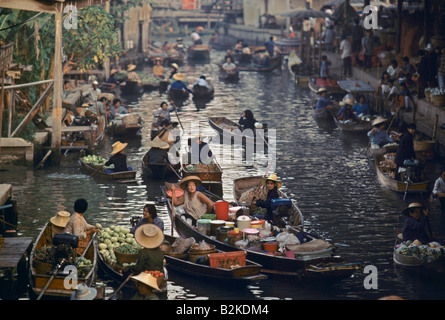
(243, 222)
(222, 210)
(270, 246)
(257, 224)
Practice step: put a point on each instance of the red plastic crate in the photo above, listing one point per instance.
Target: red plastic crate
(228, 260)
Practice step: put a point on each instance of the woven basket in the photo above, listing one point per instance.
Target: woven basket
(439, 100)
(125, 257)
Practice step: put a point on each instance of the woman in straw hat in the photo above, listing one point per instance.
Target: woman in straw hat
(131, 74)
(378, 135)
(174, 70)
(158, 153)
(118, 158)
(346, 112)
(195, 203)
(272, 185)
(150, 257)
(145, 284)
(59, 221)
(414, 227)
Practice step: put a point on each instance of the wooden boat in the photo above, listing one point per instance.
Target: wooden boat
(175, 94)
(99, 171)
(322, 114)
(131, 88)
(357, 125)
(208, 173)
(411, 263)
(40, 273)
(126, 126)
(386, 176)
(273, 264)
(229, 76)
(230, 132)
(333, 90)
(159, 170)
(274, 63)
(203, 93)
(198, 52)
(241, 275)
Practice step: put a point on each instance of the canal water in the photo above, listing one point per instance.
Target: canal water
(325, 170)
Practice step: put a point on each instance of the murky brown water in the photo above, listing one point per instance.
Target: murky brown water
(325, 170)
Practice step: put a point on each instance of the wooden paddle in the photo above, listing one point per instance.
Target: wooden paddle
(113, 297)
(177, 116)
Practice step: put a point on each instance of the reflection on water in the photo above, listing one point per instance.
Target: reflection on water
(325, 170)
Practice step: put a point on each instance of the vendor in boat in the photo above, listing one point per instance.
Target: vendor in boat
(158, 68)
(238, 46)
(414, 227)
(77, 225)
(150, 215)
(150, 257)
(439, 192)
(96, 110)
(179, 83)
(228, 66)
(59, 222)
(361, 108)
(164, 112)
(145, 283)
(272, 185)
(92, 94)
(405, 151)
(200, 151)
(247, 120)
(323, 102)
(164, 133)
(132, 76)
(158, 153)
(117, 108)
(378, 135)
(118, 158)
(346, 112)
(201, 82)
(174, 70)
(196, 38)
(112, 80)
(195, 203)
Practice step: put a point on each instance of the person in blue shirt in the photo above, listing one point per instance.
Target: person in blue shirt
(378, 135)
(324, 73)
(179, 84)
(117, 108)
(150, 215)
(270, 46)
(322, 102)
(361, 107)
(346, 112)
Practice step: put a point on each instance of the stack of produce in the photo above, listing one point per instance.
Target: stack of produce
(96, 161)
(426, 253)
(119, 239)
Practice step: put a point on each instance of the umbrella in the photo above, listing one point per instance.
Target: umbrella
(304, 13)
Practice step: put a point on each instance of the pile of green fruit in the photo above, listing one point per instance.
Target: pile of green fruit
(94, 160)
(116, 238)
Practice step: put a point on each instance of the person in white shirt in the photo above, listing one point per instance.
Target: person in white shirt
(345, 49)
(196, 38)
(393, 69)
(202, 82)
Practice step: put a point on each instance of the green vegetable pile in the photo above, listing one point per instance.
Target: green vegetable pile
(116, 238)
(94, 160)
(426, 253)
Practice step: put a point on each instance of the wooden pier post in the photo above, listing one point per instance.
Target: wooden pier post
(56, 135)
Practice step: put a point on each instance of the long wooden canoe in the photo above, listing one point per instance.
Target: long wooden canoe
(229, 76)
(273, 265)
(100, 172)
(386, 178)
(335, 92)
(198, 52)
(203, 93)
(39, 278)
(240, 275)
(230, 132)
